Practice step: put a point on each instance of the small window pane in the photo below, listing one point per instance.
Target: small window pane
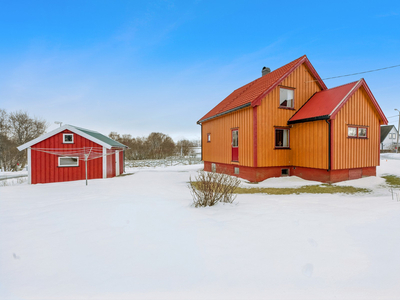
(352, 132)
(209, 137)
(286, 98)
(235, 141)
(362, 132)
(68, 138)
(281, 137)
(68, 161)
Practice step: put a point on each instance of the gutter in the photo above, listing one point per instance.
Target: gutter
(225, 112)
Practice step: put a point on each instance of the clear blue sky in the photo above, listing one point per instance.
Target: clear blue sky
(142, 66)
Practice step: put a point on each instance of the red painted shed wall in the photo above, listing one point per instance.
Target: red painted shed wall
(121, 162)
(110, 164)
(45, 168)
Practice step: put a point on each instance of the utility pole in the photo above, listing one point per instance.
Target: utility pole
(397, 144)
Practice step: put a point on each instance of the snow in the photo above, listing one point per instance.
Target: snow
(138, 237)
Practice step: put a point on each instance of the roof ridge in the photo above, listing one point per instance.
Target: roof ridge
(342, 85)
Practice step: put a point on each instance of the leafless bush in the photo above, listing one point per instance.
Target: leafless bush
(209, 188)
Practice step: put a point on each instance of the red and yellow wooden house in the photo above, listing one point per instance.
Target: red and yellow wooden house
(288, 122)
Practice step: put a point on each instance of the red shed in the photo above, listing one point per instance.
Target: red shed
(62, 154)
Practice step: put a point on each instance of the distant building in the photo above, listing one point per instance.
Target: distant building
(389, 135)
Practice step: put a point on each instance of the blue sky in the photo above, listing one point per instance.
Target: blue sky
(142, 66)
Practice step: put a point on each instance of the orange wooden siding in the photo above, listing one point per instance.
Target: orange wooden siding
(355, 152)
(310, 144)
(269, 115)
(220, 148)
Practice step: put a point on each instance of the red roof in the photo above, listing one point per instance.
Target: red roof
(253, 92)
(326, 104)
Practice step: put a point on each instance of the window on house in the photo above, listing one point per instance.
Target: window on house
(236, 170)
(213, 167)
(285, 172)
(362, 132)
(286, 98)
(235, 140)
(68, 161)
(281, 138)
(208, 137)
(357, 132)
(352, 131)
(68, 138)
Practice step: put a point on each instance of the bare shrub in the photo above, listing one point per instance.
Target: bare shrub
(209, 188)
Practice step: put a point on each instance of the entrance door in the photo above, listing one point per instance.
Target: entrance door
(235, 145)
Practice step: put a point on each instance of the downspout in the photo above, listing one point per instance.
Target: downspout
(329, 144)
(201, 141)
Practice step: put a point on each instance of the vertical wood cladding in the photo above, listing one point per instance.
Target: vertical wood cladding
(310, 144)
(269, 116)
(220, 147)
(356, 152)
(45, 167)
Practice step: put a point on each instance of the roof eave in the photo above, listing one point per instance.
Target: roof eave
(224, 113)
(61, 129)
(325, 117)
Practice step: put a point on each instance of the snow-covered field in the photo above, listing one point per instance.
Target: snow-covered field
(138, 237)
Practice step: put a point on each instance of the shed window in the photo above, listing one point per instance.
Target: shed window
(208, 137)
(68, 161)
(286, 98)
(68, 138)
(281, 138)
(236, 171)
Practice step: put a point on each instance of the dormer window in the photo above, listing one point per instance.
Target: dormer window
(68, 138)
(286, 98)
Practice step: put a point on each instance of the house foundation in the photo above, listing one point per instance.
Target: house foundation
(257, 174)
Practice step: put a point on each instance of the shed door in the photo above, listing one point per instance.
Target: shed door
(235, 145)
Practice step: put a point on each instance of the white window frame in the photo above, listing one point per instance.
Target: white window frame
(208, 137)
(280, 98)
(66, 166)
(68, 142)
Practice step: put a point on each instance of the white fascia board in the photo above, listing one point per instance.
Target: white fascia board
(345, 97)
(58, 130)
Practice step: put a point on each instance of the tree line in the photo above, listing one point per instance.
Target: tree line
(17, 128)
(156, 146)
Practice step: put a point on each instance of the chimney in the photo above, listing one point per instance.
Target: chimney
(265, 71)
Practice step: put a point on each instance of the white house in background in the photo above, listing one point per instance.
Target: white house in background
(388, 137)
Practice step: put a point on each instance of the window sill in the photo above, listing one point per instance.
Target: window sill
(67, 166)
(357, 138)
(284, 107)
(278, 148)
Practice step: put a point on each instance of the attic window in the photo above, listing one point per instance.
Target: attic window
(68, 138)
(286, 99)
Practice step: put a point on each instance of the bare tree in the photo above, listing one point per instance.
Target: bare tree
(184, 147)
(16, 129)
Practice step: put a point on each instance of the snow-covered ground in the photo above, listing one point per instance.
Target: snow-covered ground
(138, 237)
